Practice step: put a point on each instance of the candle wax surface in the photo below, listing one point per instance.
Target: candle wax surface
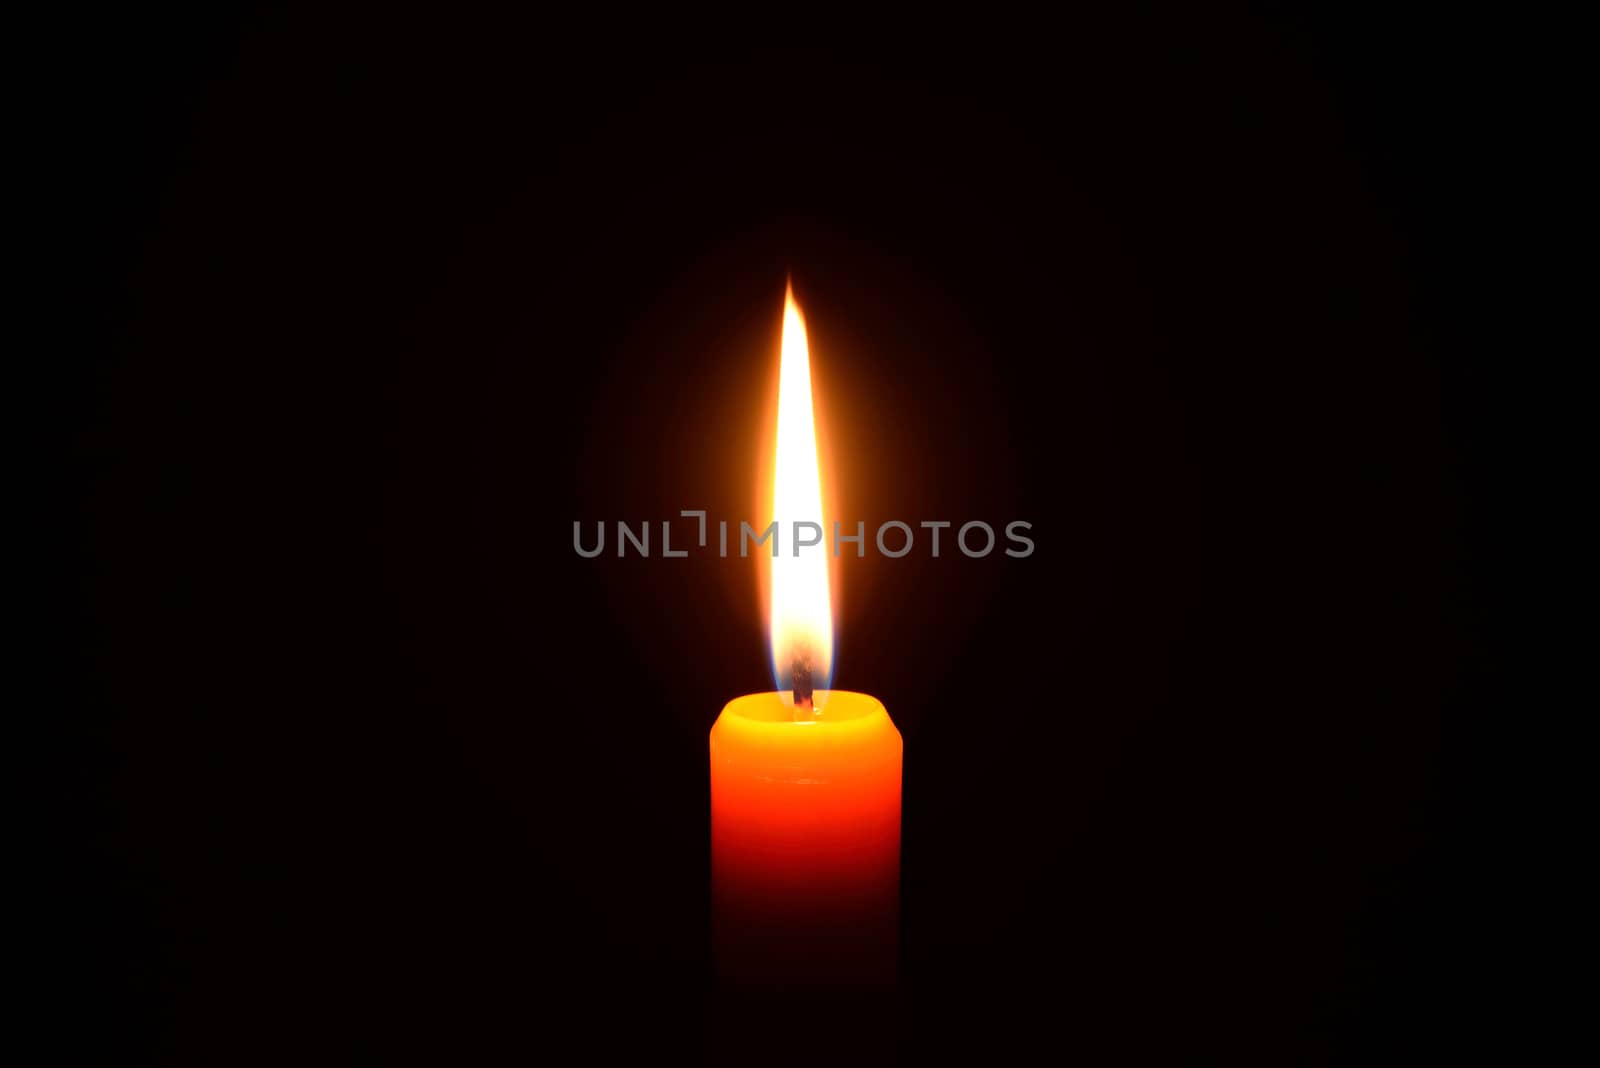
(805, 839)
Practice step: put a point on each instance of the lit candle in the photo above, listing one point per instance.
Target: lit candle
(805, 781)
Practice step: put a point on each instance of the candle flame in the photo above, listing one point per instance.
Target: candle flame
(801, 620)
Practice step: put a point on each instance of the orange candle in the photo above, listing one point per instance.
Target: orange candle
(805, 839)
(805, 782)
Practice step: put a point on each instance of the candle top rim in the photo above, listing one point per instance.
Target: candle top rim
(851, 737)
(837, 708)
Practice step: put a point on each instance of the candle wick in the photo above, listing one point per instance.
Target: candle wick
(804, 707)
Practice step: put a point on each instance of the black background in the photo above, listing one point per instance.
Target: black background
(364, 763)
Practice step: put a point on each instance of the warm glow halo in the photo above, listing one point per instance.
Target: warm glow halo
(801, 619)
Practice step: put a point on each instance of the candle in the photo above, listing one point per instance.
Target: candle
(805, 840)
(805, 781)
